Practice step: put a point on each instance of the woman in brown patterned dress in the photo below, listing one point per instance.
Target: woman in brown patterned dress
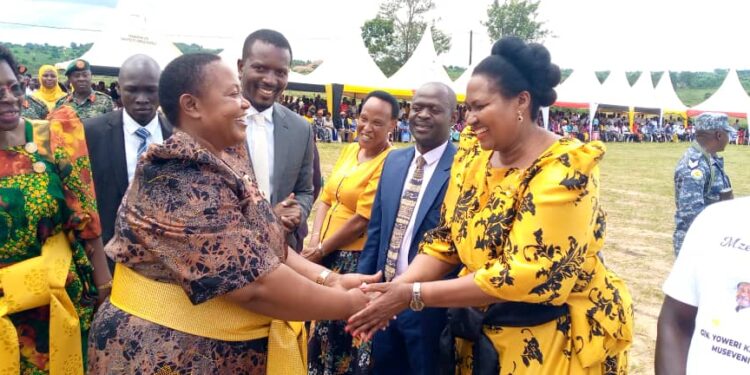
(197, 246)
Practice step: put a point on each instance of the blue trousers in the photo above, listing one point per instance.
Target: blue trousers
(410, 344)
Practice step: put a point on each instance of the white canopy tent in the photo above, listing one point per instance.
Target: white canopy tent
(643, 94)
(616, 91)
(354, 69)
(459, 85)
(580, 90)
(666, 97)
(128, 36)
(731, 98)
(423, 66)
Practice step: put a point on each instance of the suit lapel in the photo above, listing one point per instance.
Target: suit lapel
(119, 163)
(391, 196)
(439, 178)
(281, 136)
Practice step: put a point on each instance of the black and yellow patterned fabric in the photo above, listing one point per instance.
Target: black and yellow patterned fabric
(535, 236)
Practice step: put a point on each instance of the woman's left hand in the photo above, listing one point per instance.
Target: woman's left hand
(393, 298)
(312, 254)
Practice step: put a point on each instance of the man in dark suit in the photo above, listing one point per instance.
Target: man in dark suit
(280, 142)
(406, 206)
(117, 139)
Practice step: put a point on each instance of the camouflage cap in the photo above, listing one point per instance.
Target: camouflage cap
(77, 65)
(710, 121)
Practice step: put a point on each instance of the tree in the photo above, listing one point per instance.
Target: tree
(378, 36)
(441, 40)
(393, 35)
(516, 18)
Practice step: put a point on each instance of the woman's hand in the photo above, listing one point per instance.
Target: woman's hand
(357, 300)
(392, 299)
(352, 280)
(313, 254)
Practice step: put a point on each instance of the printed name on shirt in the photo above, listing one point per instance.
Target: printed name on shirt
(735, 243)
(724, 346)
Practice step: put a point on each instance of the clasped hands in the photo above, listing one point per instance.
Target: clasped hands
(377, 303)
(289, 213)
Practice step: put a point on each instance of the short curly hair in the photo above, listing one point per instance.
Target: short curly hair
(184, 75)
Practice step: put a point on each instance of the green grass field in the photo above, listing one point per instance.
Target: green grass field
(637, 192)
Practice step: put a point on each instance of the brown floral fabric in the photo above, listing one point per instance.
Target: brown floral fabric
(200, 222)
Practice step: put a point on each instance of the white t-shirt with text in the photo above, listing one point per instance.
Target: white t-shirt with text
(712, 273)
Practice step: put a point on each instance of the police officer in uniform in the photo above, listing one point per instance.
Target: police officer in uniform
(84, 100)
(699, 178)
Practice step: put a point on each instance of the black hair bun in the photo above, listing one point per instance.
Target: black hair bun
(533, 61)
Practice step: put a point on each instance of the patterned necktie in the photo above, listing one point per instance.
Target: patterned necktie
(405, 210)
(259, 154)
(143, 134)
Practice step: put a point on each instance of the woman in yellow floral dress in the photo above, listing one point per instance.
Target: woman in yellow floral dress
(50, 243)
(522, 215)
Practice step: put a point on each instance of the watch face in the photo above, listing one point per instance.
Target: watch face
(416, 305)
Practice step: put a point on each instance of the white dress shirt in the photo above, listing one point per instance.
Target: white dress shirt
(132, 141)
(431, 159)
(268, 116)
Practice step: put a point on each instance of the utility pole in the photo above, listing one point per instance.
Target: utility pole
(471, 44)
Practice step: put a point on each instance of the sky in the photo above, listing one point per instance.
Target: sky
(631, 35)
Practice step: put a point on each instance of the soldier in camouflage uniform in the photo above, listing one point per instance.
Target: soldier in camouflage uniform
(699, 178)
(33, 109)
(84, 100)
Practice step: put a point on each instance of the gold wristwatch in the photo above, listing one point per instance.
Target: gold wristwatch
(416, 303)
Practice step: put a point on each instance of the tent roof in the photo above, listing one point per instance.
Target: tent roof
(352, 67)
(423, 67)
(731, 98)
(642, 93)
(665, 95)
(616, 90)
(113, 46)
(459, 85)
(579, 90)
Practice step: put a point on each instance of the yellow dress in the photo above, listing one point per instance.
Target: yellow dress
(535, 236)
(351, 191)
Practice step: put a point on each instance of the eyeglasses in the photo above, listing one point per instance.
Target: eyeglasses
(14, 89)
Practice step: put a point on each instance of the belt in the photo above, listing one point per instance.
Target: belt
(168, 305)
(467, 324)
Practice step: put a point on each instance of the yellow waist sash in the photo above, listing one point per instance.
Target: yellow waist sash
(168, 305)
(37, 282)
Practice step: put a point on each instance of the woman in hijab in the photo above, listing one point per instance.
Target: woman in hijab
(49, 91)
